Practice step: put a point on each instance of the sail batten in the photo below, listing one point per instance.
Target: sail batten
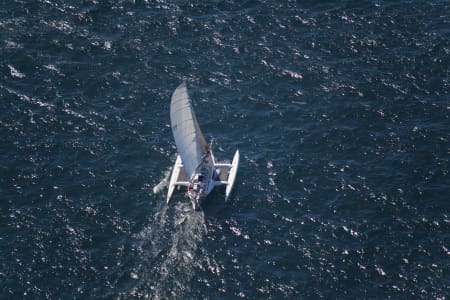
(191, 144)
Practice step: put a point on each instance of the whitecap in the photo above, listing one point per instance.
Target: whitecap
(15, 72)
(13, 45)
(107, 45)
(51, 67)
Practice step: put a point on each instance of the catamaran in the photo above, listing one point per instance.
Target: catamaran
(195, 167)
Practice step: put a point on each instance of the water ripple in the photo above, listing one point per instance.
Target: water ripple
(340, 112)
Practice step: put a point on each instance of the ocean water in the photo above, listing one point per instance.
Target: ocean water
(340, 110)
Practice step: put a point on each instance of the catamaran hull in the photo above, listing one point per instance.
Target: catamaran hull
(227, 177)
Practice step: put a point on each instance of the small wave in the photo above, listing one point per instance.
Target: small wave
(15, 72)
(13, 45)
(28, 99)
(53, 68)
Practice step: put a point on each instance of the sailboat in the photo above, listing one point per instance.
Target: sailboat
(195, 166)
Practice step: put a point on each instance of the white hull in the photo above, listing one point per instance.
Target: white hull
(228, 174)
(232, 175)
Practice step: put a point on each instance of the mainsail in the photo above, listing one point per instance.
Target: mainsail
(191, 144)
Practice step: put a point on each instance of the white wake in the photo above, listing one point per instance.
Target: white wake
(163, 183)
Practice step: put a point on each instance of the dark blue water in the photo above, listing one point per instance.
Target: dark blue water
(340, 110)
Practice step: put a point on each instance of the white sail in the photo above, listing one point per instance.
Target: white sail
(191, 144)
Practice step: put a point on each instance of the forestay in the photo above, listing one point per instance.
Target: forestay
(191, 144)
